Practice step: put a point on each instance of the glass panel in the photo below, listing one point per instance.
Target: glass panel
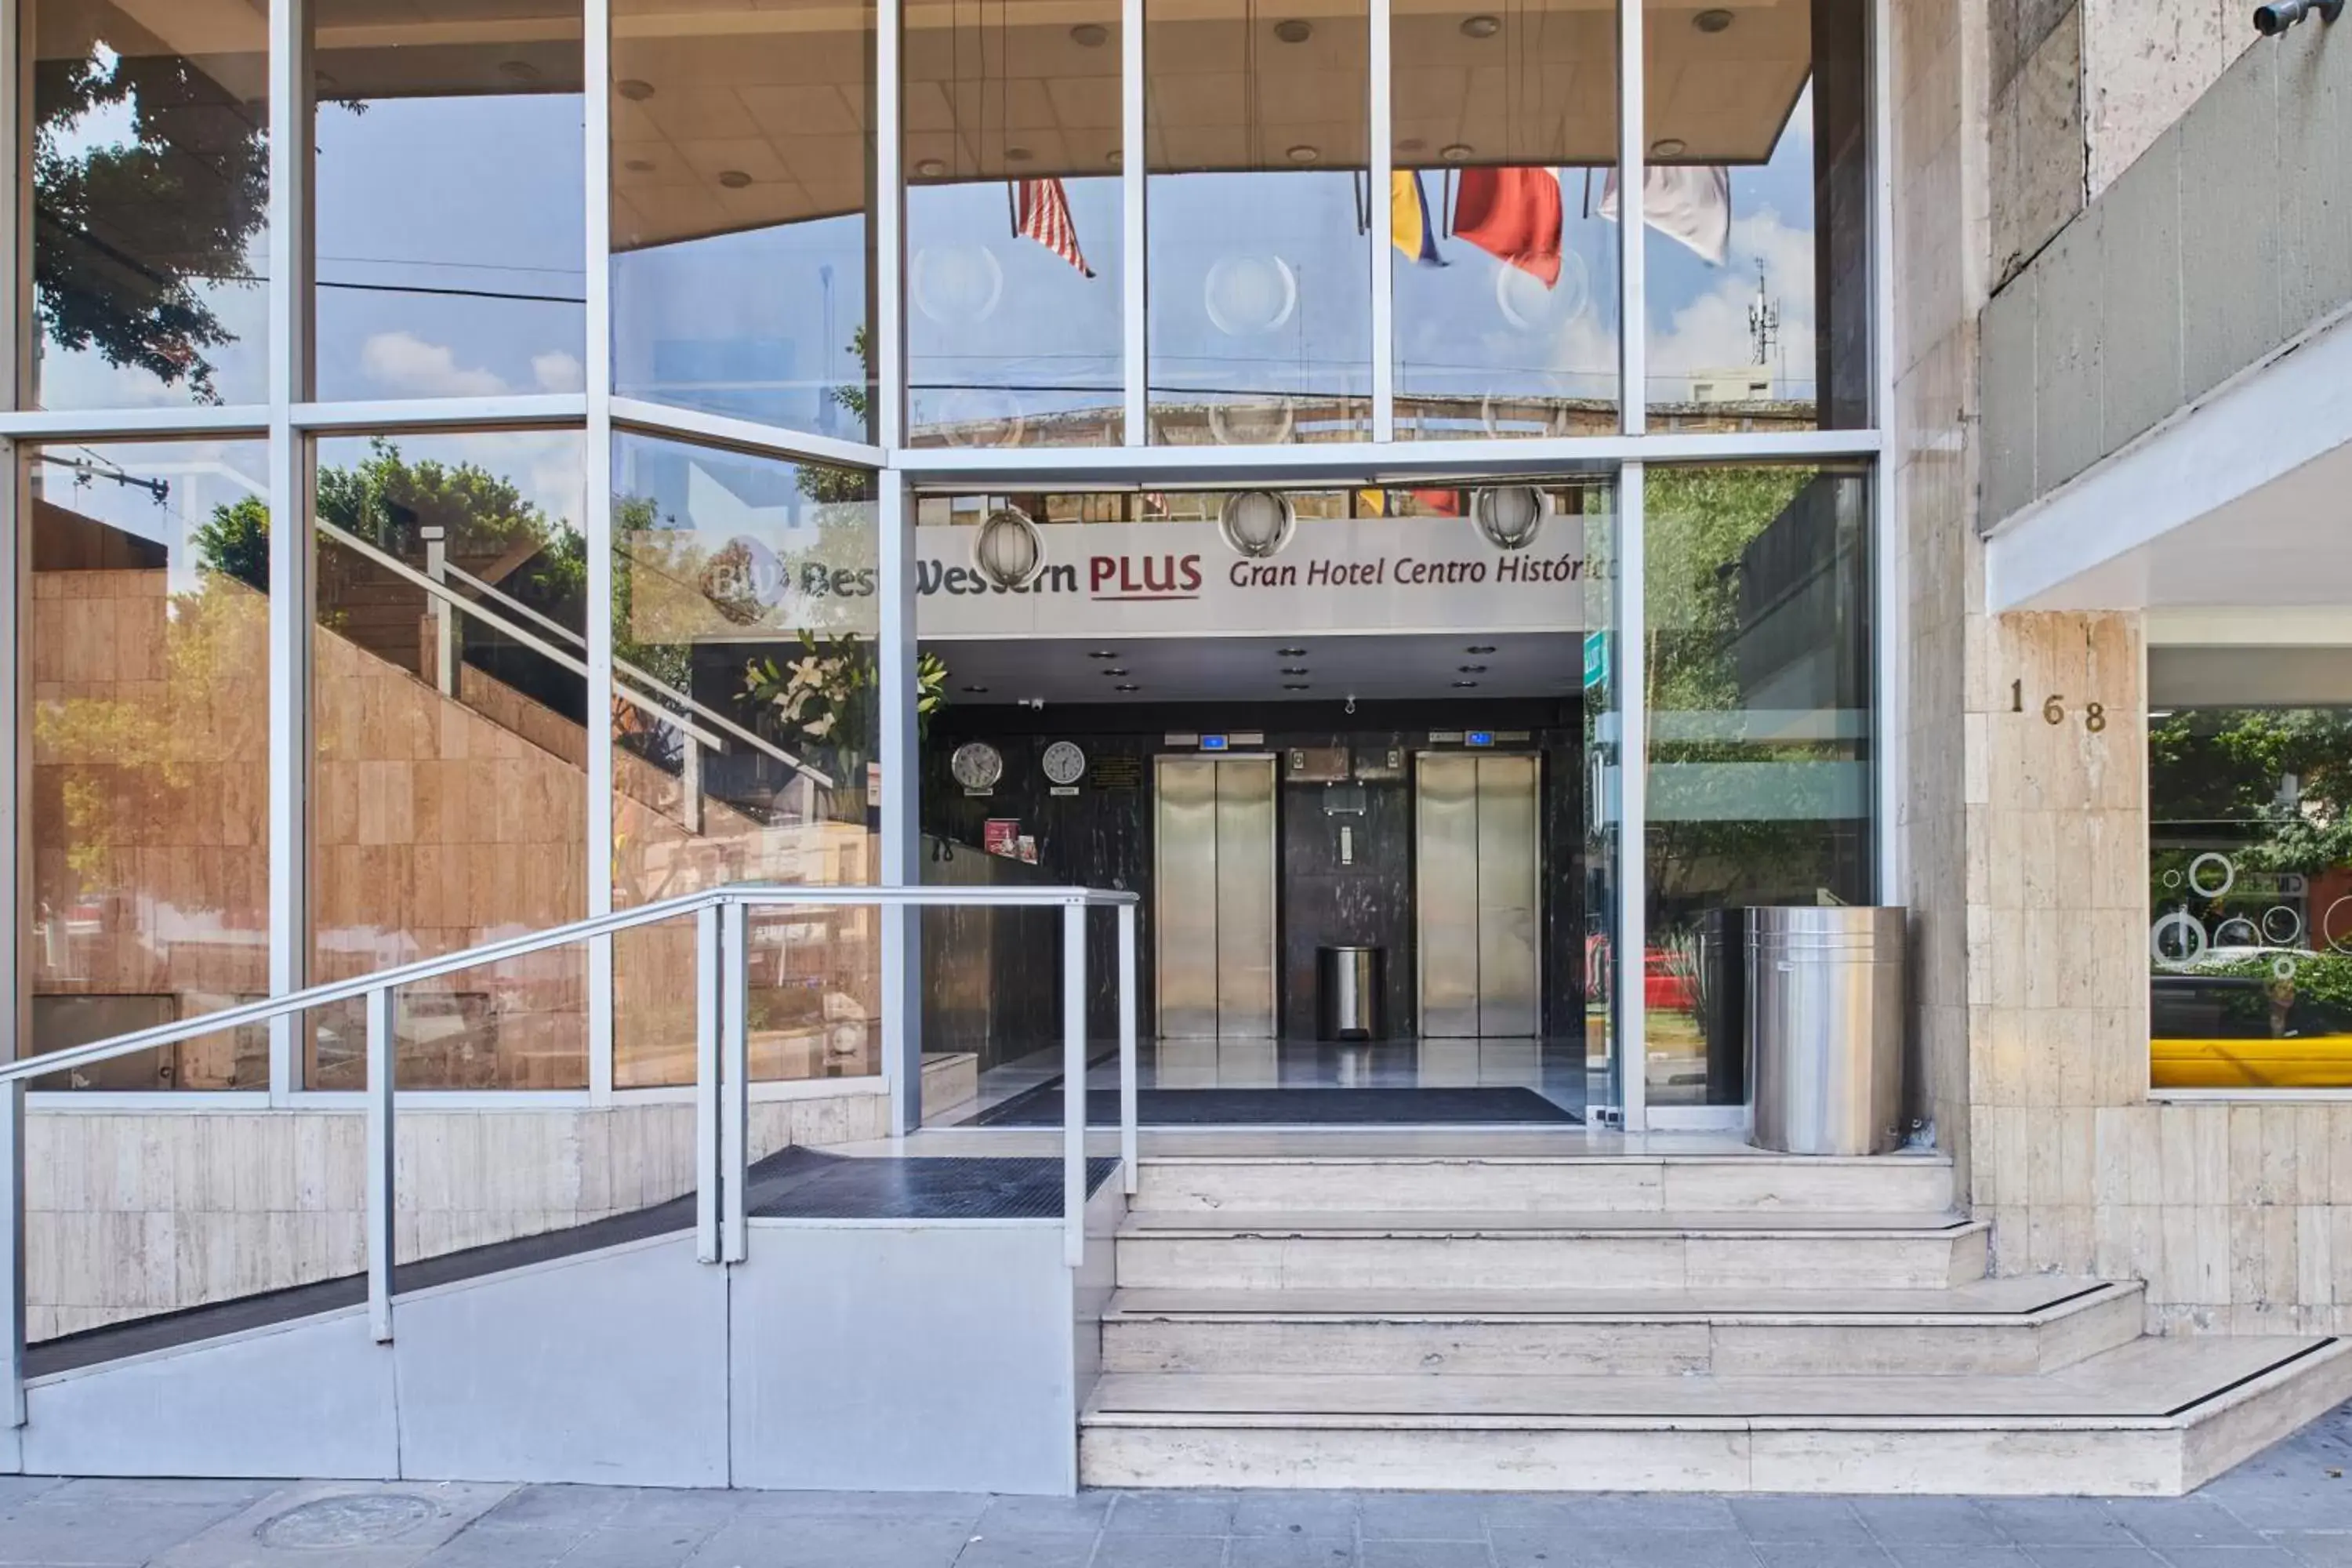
(2249, 868)
(1757, 196)
(1603, 763)
(1756, 595)
(1261, 322)
(449, 707)
(148, 651)
(1506, 276)
(1013, 227)
(746, 725)
(149, 174)
(450, 223)
(742, 197)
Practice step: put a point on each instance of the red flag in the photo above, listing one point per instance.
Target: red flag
(1515, 214)
(1045, 216)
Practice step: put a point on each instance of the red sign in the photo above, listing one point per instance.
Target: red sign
(1002, 836)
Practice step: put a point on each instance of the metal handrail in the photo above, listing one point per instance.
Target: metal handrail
(653, 683)
(722, 1079)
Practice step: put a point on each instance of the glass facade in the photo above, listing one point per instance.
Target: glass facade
(601, 400)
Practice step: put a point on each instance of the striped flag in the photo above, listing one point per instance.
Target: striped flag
(1044, 216)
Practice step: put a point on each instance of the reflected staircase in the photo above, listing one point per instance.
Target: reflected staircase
(1731, 1322)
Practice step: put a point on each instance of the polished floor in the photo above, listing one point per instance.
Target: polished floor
(2290, 1506)
(1557, 1069)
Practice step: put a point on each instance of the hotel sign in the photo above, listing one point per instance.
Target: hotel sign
(1181, 579)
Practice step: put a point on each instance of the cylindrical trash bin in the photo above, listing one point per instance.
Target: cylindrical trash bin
(1348, 983)
(1825, 1028)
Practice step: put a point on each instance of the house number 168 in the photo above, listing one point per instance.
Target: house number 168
(2053, 709)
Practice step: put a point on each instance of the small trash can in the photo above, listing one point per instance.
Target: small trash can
(1825, 1028)
(1348, 986)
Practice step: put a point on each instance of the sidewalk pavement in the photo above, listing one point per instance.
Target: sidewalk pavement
(2289, 1508)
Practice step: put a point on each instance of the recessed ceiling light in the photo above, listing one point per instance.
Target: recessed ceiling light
(1480, 27)
(1474, 669)
(1126, 688)
(1294, 670)
(1466, 685)
(1090, 35)
(931, 168)
(1715, 20)
(1455, 152)
(733, 179)
(638, 165)
(1291, 652)
(518, 70)
(1103, 653)
(1293, 31)
(1303, 153)
(1480, 648)
(1668, 147)
(1113, 670)
(1018, 155)
(1411, 144)
(975, 688)
(1296, 686)
(633, 90)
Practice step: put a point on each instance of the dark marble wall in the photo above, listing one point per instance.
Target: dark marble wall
(1102, 836)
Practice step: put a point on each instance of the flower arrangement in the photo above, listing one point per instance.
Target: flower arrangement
(826, 703)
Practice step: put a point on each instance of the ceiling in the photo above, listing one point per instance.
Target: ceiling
(739, 115)
(1370, 667)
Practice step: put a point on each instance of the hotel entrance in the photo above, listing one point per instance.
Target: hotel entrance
(1360, 837)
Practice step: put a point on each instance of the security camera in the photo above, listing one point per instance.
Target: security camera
(2272, 19)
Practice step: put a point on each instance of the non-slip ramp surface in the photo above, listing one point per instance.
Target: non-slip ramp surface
(1042, 1107)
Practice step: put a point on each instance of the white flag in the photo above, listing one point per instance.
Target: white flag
(1688, 202)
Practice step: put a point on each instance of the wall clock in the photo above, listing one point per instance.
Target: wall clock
(977, 765)
(1065, 763)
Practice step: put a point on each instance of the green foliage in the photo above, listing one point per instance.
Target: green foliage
(124, 234)
(385, 499)
(2208, 766)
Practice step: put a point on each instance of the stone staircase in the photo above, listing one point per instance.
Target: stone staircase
(1552, 1319)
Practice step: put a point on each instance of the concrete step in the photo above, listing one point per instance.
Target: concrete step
(1548, 1182)
(1609, 1250)
(2153, 1417)
(2035, 1323)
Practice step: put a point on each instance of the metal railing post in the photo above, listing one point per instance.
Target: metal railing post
(734, 1083)
(1126, 1063)
(1074, 1082)
(12, 1248)
(381, 1014)
(709, 963)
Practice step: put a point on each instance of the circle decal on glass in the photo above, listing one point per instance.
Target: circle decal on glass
(1249, 294)
(1531, 307)
(1266, 424)
(2336, 925)
(976, 417)
(2176, 938)
(2172, 878)
(2197, 871)
(956, 285)
(2282, 967)
(2237, 931)
(2280, 931)
(1064, 763)
(977, 765)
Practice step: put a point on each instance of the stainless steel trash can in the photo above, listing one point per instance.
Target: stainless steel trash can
(1825, 1017)
(1347, 985)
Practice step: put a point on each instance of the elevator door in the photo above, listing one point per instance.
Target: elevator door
(1477, 888)
(1214, 886)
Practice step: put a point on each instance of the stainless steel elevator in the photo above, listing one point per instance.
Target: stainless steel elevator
(1215, 866)
(1477, 893)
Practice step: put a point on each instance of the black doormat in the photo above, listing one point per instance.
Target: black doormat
(1042, 1107)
